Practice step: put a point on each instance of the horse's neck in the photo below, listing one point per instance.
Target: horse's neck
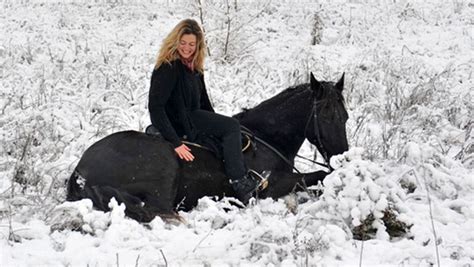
(286, 143)
(283, 128)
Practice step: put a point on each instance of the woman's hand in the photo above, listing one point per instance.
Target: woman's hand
(184, 152)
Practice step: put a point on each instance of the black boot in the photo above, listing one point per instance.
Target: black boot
(245, 187)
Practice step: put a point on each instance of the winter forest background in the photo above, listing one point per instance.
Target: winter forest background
(73, 72)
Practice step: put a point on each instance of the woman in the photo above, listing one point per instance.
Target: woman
(180, 108)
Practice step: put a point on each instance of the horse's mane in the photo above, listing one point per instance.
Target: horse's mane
(330, 97)
(283, 96)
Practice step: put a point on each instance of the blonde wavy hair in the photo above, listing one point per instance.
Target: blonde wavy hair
(169, 48)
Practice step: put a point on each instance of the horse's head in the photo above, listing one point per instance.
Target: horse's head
(326, 127)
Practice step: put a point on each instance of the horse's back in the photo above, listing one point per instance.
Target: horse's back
(135, 168)
(127, 157)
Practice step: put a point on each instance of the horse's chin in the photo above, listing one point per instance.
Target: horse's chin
(335, 149)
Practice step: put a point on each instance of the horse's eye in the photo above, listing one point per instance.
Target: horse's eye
(327, 115)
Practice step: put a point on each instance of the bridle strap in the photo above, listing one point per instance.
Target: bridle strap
(320, 145)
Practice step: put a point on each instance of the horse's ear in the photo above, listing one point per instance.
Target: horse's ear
(340, 83)
(316, 86)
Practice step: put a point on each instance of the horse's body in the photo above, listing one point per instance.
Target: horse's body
(144, 172)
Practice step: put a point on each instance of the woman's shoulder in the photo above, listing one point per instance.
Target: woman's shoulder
(167, 66)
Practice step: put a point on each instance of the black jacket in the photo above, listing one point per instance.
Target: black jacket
(175, 91)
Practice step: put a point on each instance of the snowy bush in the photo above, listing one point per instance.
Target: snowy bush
(228, 26)
(79, 216)
(434, 172)
(363, 197)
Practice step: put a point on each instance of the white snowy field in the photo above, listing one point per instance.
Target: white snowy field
(73, 72)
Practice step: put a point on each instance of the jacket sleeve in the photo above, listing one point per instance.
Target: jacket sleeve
(205, 102)
(163, 81)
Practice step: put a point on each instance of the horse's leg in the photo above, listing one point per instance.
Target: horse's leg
(158, 196)
(283, 183)
(141, 205)
(314, 178)
(101, 195)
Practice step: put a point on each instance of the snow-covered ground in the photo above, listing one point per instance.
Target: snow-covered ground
(73, 72)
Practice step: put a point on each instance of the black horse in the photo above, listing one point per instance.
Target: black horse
(144, 172)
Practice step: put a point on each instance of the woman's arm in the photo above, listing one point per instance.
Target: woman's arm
(163, 82)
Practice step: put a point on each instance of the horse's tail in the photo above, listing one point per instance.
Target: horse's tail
(74, 188)
(101, 195)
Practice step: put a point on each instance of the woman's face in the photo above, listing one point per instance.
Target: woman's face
(187, 46)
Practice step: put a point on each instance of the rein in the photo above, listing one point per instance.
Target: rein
(313, 161)
(254, 137)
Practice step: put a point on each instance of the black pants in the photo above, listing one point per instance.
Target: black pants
(227, 130)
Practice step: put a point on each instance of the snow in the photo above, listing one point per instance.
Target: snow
(73, 72)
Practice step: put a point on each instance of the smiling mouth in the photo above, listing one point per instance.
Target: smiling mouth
(186, 54)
